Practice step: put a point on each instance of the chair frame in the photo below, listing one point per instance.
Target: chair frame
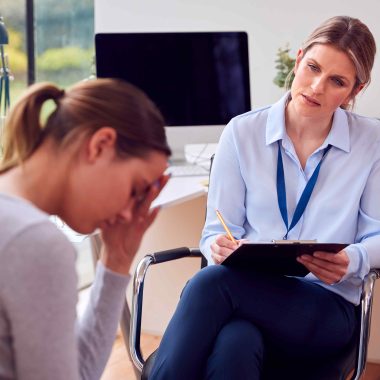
(137, 296)
(134, 320)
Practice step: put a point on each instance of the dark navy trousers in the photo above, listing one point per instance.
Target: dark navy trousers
(229, 321)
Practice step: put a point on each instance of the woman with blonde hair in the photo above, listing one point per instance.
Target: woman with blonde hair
(97, 163)
(303, 168)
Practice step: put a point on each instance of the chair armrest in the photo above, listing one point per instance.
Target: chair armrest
(174, 254)
(375, 272)
(137, 295)
(365, 321)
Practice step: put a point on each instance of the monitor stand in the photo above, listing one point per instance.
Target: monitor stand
(179, 137)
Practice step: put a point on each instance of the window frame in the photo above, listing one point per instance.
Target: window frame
(30, 42)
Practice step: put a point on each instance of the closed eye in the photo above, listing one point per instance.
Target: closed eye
(338, 82)
(140, 195)
(313, 67)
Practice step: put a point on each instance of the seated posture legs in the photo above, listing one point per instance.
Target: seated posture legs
(289, 316)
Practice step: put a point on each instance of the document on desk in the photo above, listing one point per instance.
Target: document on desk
(179, 190)
(278, 258)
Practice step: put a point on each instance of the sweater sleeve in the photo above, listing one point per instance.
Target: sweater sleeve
(40, 300)
(97, 329)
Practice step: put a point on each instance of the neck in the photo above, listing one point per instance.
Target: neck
(303, 128)
(40, 179)
(307, 133)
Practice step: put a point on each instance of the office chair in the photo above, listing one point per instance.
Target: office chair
(348, 364)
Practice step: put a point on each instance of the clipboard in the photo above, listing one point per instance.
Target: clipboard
(277, 258)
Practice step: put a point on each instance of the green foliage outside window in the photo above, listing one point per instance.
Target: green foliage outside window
(66, 64)
(16, 54)
(70, 57)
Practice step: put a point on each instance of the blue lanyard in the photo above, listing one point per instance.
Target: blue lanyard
(306, 194)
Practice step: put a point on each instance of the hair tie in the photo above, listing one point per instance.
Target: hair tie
(59, 95)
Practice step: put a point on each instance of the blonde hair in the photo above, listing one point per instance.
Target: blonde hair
(352, 37)
(84, 108)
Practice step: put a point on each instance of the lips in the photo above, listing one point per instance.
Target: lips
(310, 100)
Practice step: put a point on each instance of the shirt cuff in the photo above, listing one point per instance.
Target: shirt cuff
(359, 263)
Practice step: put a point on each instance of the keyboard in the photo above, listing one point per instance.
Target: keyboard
(186, 170)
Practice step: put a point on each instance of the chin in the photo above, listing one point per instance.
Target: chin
(306, 110)
(80, 228)
(85, 230)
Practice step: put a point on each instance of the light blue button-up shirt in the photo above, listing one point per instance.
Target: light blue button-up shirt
(344, 206)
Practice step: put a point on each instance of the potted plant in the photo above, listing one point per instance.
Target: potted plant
(284, 65)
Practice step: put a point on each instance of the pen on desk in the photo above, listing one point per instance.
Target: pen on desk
(219, 215)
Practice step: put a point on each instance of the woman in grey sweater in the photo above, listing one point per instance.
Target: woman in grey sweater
(97, 163)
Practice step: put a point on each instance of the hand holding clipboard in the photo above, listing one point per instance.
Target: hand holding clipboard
(287, 257)
(277, 258)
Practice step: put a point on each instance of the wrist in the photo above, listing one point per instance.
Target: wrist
(115, 263)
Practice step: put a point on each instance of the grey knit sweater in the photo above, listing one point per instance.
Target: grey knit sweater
(39, 335)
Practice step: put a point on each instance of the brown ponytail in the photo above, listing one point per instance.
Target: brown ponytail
(83, 109)
(23, 130)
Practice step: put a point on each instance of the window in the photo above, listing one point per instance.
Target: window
(14, 15)
(64, 40)
(60, 49)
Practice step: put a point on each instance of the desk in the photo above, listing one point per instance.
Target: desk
(181, 189)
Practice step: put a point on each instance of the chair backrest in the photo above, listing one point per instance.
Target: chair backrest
(204, 261)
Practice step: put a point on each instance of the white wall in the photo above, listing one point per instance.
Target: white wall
(270, 24)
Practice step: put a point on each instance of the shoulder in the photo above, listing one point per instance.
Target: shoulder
(364, 136)
(256, 116)
(252, 123)
(366, 127)
(17, 214)
(31, 246)
(258, 120)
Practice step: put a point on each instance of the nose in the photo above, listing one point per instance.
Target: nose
(318, 85)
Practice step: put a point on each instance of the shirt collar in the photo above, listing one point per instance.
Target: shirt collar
(339, 135)
(275, 129)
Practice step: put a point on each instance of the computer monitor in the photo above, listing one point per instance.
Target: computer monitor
(195, 78)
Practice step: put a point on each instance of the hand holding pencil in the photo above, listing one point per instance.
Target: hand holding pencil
(229, 234)
(224, 244)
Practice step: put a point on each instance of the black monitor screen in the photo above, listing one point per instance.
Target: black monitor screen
(195, 78)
